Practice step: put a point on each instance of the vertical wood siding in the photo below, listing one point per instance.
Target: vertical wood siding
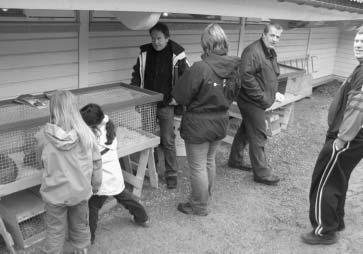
(113, 54)
(292, 45)
(36, 62)
(345, 61)
(322, 50)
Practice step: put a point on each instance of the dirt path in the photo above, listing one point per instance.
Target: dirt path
(246, 217)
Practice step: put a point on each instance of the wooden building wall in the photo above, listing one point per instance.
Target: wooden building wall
(112, 54)
(36, 62)
(322, 51)
(345, 61)
(33, 62)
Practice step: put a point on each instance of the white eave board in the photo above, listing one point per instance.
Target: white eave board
(239, 8)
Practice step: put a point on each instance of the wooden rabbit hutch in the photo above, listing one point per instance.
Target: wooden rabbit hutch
(133, 110)
(295, 84)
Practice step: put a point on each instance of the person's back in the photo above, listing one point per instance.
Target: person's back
(67, 166)
(72, 171)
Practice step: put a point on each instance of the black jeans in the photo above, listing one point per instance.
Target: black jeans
(253, 132)
(329, 184)
(125, 198)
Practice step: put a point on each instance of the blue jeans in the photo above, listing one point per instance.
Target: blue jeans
(201, 159)
(57, 218)
(165, 116)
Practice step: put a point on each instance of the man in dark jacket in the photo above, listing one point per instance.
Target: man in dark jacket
(340, 154)
(259, 72)
(159, 64)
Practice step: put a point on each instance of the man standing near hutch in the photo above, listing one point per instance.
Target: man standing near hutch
(259, 72)
(342, 151)
(159, 64)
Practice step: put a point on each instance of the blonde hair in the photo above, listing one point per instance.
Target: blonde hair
(214, 38)
(64, 113)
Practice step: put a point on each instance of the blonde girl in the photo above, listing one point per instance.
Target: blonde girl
(72, 171)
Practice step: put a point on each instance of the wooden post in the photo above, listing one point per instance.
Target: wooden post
(83, 37)
(309, 70)
(242, 33)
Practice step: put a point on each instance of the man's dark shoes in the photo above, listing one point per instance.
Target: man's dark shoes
(268, 180)
(243, 167)
(144, 224)
(171, 182)
(313, 239)
(341, 226)
(188, 209)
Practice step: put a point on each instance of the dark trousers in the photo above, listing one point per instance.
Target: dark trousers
(165, 117)
(125, 198)
(253, 132)
(329, 184)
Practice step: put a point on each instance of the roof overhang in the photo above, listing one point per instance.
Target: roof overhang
(272, 9)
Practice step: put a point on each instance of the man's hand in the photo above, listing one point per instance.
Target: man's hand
(339, 144)
(173, 102)
(279, 97)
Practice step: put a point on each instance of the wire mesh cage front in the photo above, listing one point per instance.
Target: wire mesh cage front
(32, 226)
(18, 155)
(18, 150)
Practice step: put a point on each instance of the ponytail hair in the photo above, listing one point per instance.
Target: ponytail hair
(93, 116)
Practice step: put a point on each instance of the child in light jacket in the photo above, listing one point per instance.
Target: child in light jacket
(112, 179)
(72, 170)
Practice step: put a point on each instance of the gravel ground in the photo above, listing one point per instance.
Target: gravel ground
(246, 217)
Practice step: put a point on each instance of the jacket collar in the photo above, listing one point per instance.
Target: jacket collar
(269, 53)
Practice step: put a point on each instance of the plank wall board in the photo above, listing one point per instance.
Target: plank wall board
(36, 62)
(112, 54)
(345, 61)
(293, 42)
(32, 62)
(323, 46)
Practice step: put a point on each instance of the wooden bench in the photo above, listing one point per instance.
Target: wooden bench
(144, 145)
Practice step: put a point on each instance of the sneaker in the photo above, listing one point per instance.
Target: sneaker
(187, 209)
(171, 182)
(313, 239)
(144, 224)
(268, 180)
(244, 167)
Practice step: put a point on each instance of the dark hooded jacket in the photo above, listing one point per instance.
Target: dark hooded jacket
(207, 90)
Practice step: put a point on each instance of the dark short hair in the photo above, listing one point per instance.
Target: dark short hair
(267, 27)
(93, 115)
(161, 27)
